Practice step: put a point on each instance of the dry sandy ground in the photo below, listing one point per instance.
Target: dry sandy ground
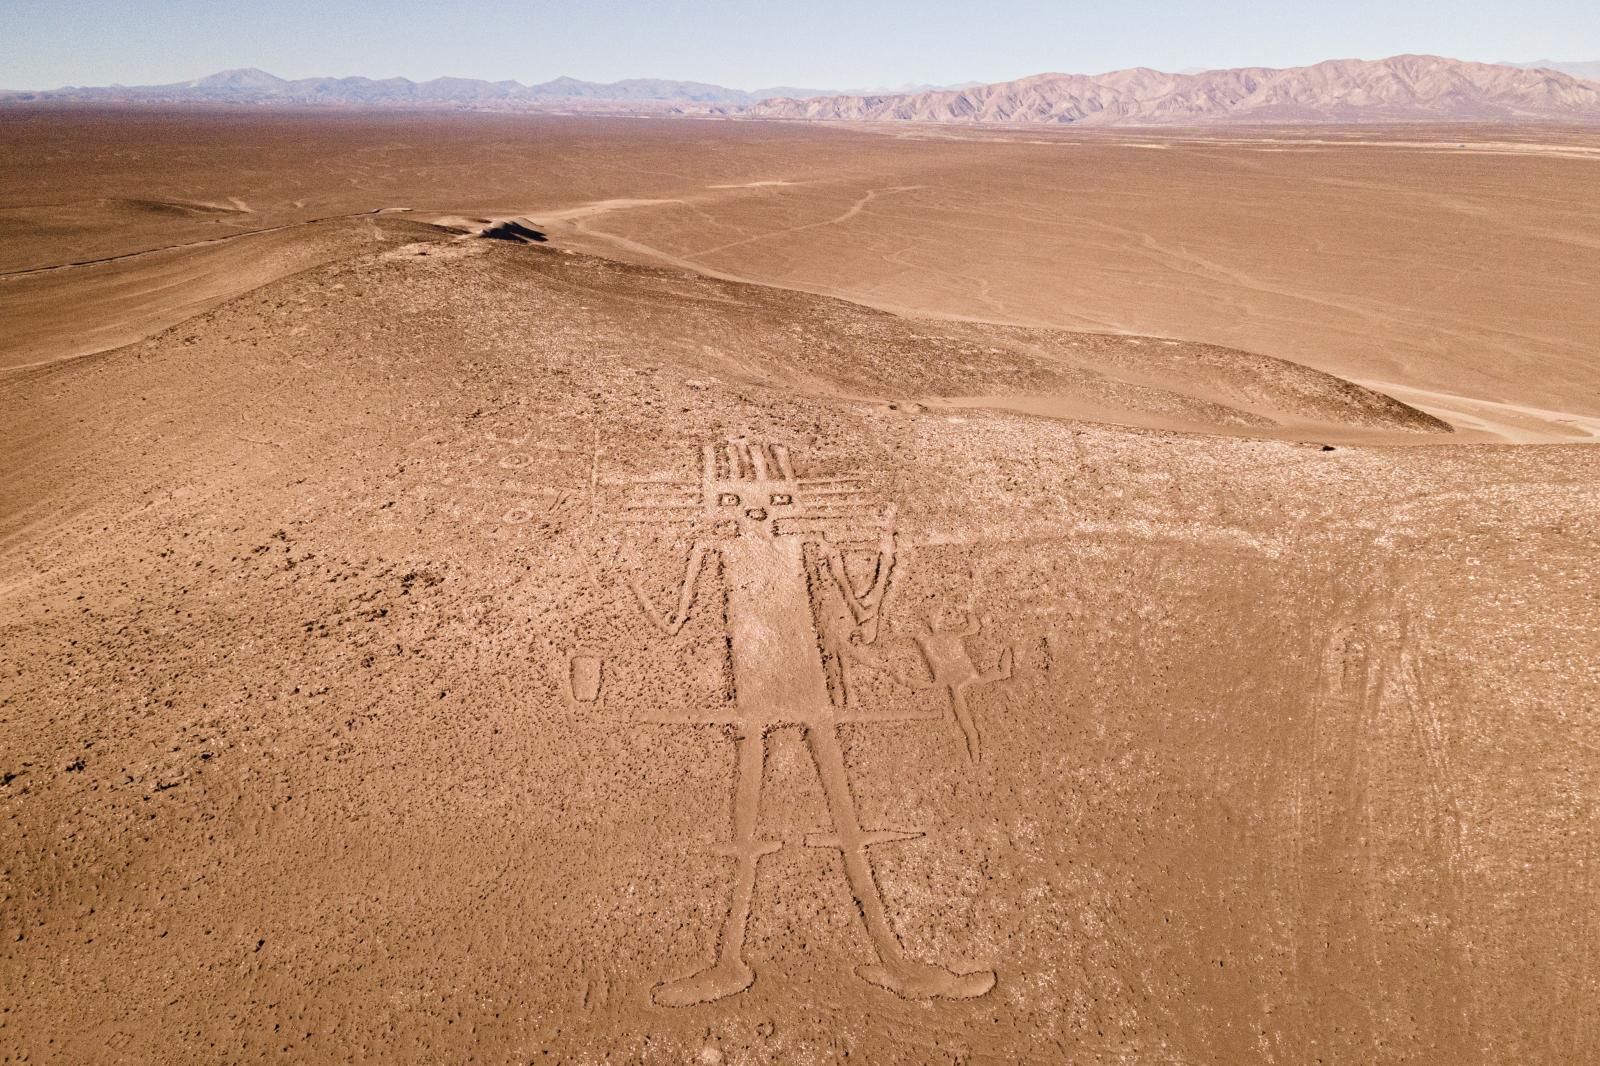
(1464, 262)
(421, 647)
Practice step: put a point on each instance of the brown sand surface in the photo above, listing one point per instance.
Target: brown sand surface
(421, 647)
(1460, 261)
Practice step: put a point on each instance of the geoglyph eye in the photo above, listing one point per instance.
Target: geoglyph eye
(782, 499)
(729, 499)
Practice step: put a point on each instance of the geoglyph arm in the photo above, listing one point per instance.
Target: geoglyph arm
(865, 605)
(671, 624)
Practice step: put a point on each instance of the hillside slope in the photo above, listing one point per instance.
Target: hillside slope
(449, 651)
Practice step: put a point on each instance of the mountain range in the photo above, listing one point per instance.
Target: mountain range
(251, 86)
(1401, 88)
(1398, 89)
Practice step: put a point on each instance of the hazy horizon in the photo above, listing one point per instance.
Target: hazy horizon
(739, 45)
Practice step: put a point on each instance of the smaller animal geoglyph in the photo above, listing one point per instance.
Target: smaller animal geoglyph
(945, 651)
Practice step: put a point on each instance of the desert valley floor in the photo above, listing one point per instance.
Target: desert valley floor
(507, 589)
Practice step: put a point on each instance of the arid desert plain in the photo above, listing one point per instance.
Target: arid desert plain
(547, 589)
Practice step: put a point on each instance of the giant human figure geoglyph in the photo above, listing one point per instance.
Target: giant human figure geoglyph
(762, 521)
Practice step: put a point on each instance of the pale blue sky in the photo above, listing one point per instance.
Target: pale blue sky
(749, 44)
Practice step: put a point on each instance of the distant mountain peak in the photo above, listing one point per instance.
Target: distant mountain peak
(240, 77)
(1585, 69)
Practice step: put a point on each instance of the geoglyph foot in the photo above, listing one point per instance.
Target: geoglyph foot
(921, 980)
(714, 982)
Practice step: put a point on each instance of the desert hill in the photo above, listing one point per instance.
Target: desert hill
(1406, 88)
(328, 615)
(516, 588)
(1146, 381)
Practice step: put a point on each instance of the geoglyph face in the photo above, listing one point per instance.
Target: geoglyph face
(751, 490)
(755, 507)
